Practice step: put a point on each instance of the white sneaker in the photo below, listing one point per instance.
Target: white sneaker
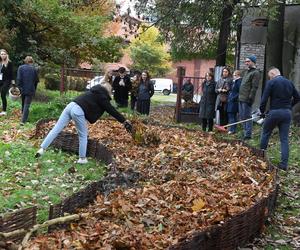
(3, 113)
(82, 161)
(40, 152)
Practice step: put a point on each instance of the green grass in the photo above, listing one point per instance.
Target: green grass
(26, 181)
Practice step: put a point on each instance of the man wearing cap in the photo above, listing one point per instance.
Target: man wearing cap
(247, 94)
(283, 95)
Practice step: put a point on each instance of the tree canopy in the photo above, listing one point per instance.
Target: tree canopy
(58, 31)
(200, 28)
(148, 52)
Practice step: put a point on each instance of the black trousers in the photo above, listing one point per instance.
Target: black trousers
(133, 101)
(143, 107)
(210, 123)
(4, 87)
(223, 114)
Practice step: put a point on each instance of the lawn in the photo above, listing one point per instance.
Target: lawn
(26, 181)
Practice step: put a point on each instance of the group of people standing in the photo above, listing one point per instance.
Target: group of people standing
(91, 105)
(27, 80)
(140, 87)
(229, 98)
(232, 97)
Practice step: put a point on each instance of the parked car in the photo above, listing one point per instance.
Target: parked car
(163, 85)
(91, 83)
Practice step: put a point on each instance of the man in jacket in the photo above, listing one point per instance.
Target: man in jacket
(89, 106)
(283, 95)
(121, 86)
(27, 80)
(247, 94)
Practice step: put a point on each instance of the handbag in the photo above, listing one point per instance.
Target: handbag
(223, 97)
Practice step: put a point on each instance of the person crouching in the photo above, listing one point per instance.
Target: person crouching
(89, 106)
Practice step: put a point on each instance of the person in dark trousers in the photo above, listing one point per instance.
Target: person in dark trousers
(134, 90)
(283, 95)
(89, 106)
(121, 86)
(27, 80)
(247, 94)
(6, 78)
(233, 101)
(222, 89)
(207, 102)
(145, 92)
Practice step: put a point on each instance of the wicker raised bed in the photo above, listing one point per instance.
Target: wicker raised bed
(234, 232)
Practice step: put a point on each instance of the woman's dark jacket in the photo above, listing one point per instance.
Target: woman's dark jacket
(27, 79)
(121, 92)
(233, 97)
(95, 102)
(208, 100)
(7, 72)
(145, 90)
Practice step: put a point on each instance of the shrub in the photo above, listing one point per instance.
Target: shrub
(52, 81)
(76, 83)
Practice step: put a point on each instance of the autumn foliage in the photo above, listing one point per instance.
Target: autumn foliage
(189, 182)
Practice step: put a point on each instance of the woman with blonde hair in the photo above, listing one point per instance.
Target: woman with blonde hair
(89, 106)
(6, 78)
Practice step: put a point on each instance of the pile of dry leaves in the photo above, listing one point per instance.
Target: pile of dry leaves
(190, 181)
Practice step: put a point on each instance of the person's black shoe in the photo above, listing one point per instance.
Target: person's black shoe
(247, 138)
(282, 167)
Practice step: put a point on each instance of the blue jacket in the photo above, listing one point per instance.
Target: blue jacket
(233, 97)
(27, 79)
(282, 93)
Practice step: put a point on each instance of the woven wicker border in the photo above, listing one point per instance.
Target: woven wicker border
(22, 218)
(69, 142)
(235, 232)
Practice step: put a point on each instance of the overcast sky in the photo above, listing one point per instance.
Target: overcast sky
(125, 4)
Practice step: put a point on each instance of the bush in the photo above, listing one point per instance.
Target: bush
(52, 81)
(76, 83)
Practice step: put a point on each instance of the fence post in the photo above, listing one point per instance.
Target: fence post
(178, 101)
(62, 79)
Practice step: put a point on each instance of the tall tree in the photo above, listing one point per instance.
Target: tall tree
(275, 37)
(198, 28)
(55, 31)
(148, 52)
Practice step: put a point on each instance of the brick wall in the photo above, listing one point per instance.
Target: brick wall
(193, 68)
(258, 50)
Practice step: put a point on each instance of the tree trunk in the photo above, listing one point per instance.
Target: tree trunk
(275, 39)
(224, 32)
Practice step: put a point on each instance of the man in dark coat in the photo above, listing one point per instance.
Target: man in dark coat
(247, 94)
(283, 95)
(121, 86)
(27, 80)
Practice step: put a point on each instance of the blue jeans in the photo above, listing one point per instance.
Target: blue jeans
(232, 118)
(280, 118)
(71, 112)
(245, 110)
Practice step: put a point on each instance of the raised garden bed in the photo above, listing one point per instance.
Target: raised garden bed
(194, 193)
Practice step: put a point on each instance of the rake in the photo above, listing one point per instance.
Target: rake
(223, 128)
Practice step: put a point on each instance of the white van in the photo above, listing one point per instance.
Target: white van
(163, 85)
